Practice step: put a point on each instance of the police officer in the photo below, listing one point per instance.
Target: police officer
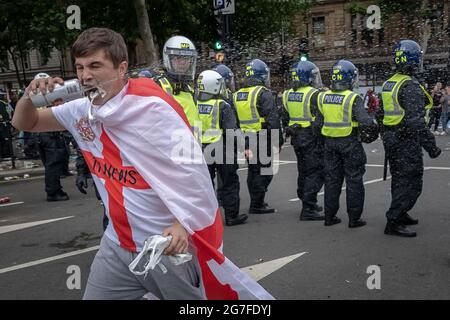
(228, 76)
(216, 117)
(4, 127)
(343, 114)
(230, 83)
(256, 111)
(299, 115)
(405, 132)
(53, 152)
(180, 60)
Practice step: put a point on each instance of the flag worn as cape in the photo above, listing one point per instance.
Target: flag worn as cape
(154, 136)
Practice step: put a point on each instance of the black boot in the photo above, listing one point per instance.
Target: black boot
(262, 210)
(407, 220)
(398, 229)
(356, 223)
(239, 219)
(318, 208)
(310, 215)
(331, 221)
(59, 196)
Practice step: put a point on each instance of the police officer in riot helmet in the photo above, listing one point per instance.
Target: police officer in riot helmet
(299, 115)
(403, 105)
(258, 117)
(53, 152)
(343, 116)
(230, 83)
(217, 117)
(180, 61)
(228, 76)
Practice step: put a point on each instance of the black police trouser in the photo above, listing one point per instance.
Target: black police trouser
(310, 173)
(259, 173)
(4, 143)
(52, 151)
(257, 184)
(344, 159)
(67, 141)
(230, 187)
(228, 177)
(406, 166)
(259, 170)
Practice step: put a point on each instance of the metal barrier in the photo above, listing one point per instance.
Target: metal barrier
(15, 145)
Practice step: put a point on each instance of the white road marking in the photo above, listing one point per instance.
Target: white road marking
(377, 180)
(20, 226)
(367, 182)
(41, 261)
(257, 271)
(276, 162)
(10, 204)
(437, 168)
(262, 270)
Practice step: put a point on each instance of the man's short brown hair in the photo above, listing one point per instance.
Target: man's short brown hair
(94, 39)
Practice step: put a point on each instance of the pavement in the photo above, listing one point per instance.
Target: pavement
(25, 169)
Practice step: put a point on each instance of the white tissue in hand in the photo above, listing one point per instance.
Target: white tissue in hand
(153, 249)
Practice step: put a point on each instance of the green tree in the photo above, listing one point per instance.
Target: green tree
(27, 25)
(41, 25)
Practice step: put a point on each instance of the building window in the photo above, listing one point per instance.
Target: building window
(318, 30)
(319, 25)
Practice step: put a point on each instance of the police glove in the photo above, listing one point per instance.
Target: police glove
(434, 153)
(82, 182)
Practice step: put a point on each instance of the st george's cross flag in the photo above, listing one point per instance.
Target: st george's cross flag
(149, 168)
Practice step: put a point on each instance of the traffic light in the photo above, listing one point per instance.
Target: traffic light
(217, 45)
(303, 49)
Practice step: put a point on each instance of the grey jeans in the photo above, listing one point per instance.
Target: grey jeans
(110, 278)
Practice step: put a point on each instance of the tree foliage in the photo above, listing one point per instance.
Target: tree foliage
(41, 25)
(256, 19)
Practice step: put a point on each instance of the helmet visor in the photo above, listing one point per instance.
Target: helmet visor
(182, 62)
(316, 79)
(231, 84)
(223, 89)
